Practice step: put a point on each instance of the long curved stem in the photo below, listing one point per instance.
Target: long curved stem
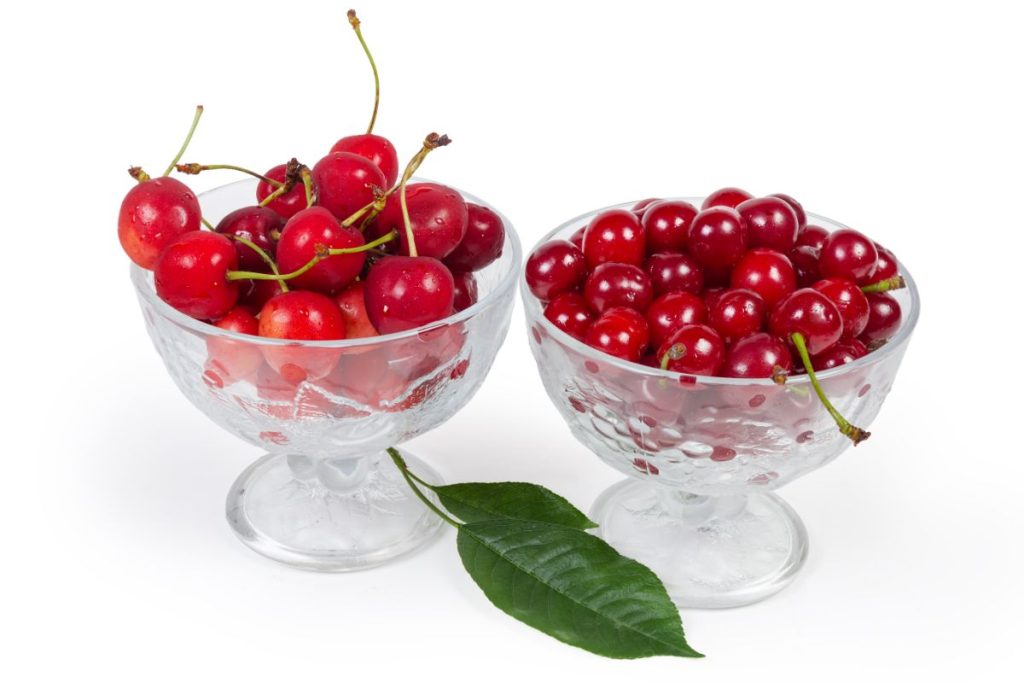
(263, 255)
(854, 433)
(196, 169)
(430, 143)
(188, 139)
(354, 21)
(322, 253)
(399, 461)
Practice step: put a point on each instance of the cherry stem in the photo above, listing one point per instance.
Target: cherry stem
(263, 255)
(370, 210)
(411, 480)
(291, 176)
(886, 285)
(322, 253)
(854, 433)
(139, 175)
(430, 143)
(675, 352)
(188, 139)
(208, 224)
(196, 169)
(354, 21)
(307, 183)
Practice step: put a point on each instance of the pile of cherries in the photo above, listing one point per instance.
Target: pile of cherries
(741, 287)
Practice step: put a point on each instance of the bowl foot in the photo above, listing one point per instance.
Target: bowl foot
(330, 515)
(709, 552)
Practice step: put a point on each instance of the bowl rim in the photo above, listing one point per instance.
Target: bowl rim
(534, 311)
(141, 280)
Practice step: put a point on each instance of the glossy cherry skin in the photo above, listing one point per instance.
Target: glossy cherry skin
(465, 290)
(438, 215)
(759, 355)
(766, 272)
(554, 268)
(641, 206)
(666, 224)
(717, 238)
(620, 332)
(403, 292)
(153, 214)
(345, 181)
(849, 254)
(810, 313)
(191, 274)
(674, 273)
(259, 225)
(851, 302)
(614, 236)
(617, 284)
(377, 149)
(737, 313)
(577, 238)
(798, 208)
(670, 311)
(805, 264)
(886, 266)
(301, 315)
(712, 294)
(843, 352)
(288, 204)
(482, 243)
(699, 350)
(771, 223)
(230, 360)
(569, 312)
(352, 303)
(812, 236)
(254, 294)
(298, 245)
(883, 320)
(729, 197)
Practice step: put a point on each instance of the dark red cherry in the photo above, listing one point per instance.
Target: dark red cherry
(553, 268)
(301, 315)
(288, 204)
(153, 214)
(641, 206)
(345, 183)
(801, 215)
(569, 312)
(694, 350)
(666, 224)
(298, 245)
(771, 223)
(618, 284)
(810, 313)
(438, 215)
(614, 236)
(403, 292)
(766, 272)
(843, 352)
(482, 243)
(712, 294)
(352, 303)
(191, 274)
(231, 360)
(254, 294)
(883, 320)
(465, 294)
(377, 149)
(737, 313)
(670, 311)
(805, 263)
(577, 237)
(620, 332)
(730, 197)
(759, 355)
(674, 273)
(812, 236)
(851, 302)
(717, 238)
(849, 254)
(259, 225)
(886, 266)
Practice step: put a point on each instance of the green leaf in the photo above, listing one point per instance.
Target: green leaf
(574, 587)
(477, 502)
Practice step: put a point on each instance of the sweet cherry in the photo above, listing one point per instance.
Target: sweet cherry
(693, 350)
(569, 312)
(403, 292)
(843, 352)
(851, 302)
(849, 254)
(618, 284)
(153, 214)
(666, 224)
(674, 273)
(307, 316)
(304, 234)
(345, 182)
(811, 236)
(291, 202)
(438, 216)
(805, 264)
(757, 356)
(729, 197)
(798, 209)
(810, 313)
(483, 242)
(671, 311)
(737, 313)
(191, 274)
(377, 149)
(717, 238)
(620, 332)
(766, 272)
(352, 303)
(883, 320)
(465, 290)
(771, 223)
(886, 267)
(614, 236)
(553, 268)
(641, 206)
(231, 360)
(257, 224)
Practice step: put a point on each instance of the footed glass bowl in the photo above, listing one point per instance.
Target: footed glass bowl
(704, 453)
(326, 496)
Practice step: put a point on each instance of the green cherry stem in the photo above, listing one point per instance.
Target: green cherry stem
(411, 480)
(208, 224)
(321, 253)
(430, 143)
(354, 21)
(291, 176)
(188, 139)
(675, 352)
(307, 183)
(854, 433)
(263, 255)
(886, 285)
(196, 169)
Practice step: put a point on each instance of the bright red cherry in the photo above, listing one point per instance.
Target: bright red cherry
(614, 236)
(851, 302)
(757, 356)
(717, 238)
(674, 273)
(259, 225)
(465, 290)
(231, 360)
(810, 313)
(843, 352)
(766, 272)
(886, 266)
(307, 316)
(694, 350)
(666, 224)
(729, 197)
(618, 284)
(345, 182)
(352, 303)
(482, 243)
(153, 214)
(771, 223)
(801, 215)
(805, 263)
(307, 230)
(884, 319)
(849, 254)
(670, 311)
(812, 236)
(377, 149)
(403, 292)
(569, 312)
(438, 215)
(288, 204)
(737, 313)
(620, 332)
(191, 274)
(553, 268)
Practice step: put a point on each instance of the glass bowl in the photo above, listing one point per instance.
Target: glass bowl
(704, 453)
(326, 495)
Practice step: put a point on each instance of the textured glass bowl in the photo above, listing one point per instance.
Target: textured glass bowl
(703, 453)
(326, 496)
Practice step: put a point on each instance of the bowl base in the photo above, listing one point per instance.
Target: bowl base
(709, 552)
(331, 515)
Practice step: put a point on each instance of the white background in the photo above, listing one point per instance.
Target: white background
(902, 119)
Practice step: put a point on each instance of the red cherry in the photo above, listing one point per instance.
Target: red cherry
(438, 215)
(614, 236)
(670, 311)
(674, 273)
(569, 312)
(737, 313)
(756, 356)
(717, 238)
(231, 360)
(712, 294)
(641, 206)
(766, 272)
(810, 313)
(577, 237)
(191, 274)
(617, 284)
(403, 292)
(482, 243)
(288, 204)
(253, 294)
(345, 182)
(553, 268)
(694, 350)
(771, 223)
(465, 290)
(259, 225)
(620, 332)
(307, 316)
(812, 236)
(805, 263)
(303, 233)
(153, 214)
(849, 254)
(801, 215)
(884, 319)
(851, 302)
(352, 303)
(377, 149)
(886, 266)
(666, 224)
(730, 197)
(841, 353)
